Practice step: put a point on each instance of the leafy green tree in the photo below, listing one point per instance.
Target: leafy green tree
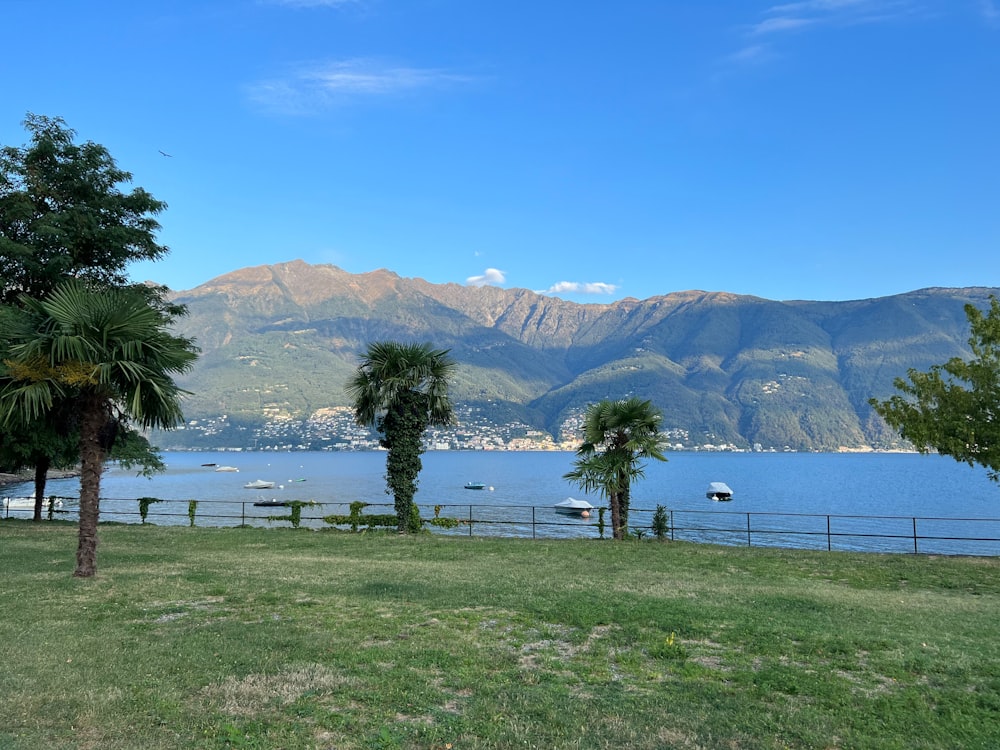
(132, 450)
(954, 408)
(400, 390)
(40, 446)
(63, 215)
(108, 352)
(617, 435)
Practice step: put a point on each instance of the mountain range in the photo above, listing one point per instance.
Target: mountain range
(280, 341)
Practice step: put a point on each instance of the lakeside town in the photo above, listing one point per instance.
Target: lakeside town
(334, 429)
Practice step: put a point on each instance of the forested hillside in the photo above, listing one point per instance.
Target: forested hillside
(279, 343)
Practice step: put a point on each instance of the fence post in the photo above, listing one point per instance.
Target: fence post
(470, 520)
(532, 521)
(749, 543)
(671, 526)
(243, 513)
(914, 535)
(828, 540)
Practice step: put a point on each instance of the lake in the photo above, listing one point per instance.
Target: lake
(780, 499)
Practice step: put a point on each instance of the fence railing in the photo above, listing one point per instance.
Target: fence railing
(913, 534)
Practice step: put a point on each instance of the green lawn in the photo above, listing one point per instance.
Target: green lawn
(282, 638)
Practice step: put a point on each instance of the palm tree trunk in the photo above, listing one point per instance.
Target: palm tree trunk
(91, 463)
(403, 425)
(41, 474)
(625, 499)
(614, 500)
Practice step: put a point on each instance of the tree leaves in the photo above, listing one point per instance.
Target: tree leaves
(953, 408)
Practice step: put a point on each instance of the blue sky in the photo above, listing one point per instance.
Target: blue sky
(811, 149)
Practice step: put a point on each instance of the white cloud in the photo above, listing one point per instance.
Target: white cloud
(576, 287)
(812, 6)
(364, 77)
(320, 85)
(312, 3)
(779, 24)
(806, 15)
(791, 16)
(489, 277)
(990, 12)
(751, 54)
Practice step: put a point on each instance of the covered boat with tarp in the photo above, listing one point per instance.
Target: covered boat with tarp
(719, 491)
(573, 507)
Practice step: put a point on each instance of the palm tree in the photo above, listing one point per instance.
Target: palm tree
(109, 351)
(616, 436)
(400, 390)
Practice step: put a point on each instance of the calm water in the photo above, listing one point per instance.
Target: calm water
(807, 494)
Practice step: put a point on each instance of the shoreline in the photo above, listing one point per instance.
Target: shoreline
(8, 479)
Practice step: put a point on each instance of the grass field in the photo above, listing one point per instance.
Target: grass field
(282, 638)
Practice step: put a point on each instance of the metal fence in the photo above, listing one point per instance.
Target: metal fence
(918, 535)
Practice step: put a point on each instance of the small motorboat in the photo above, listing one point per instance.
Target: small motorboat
(475, 486)
(272, 503)
(258, 484)
(227, 468)
(573, 507)
(21, 503)
(719, 491)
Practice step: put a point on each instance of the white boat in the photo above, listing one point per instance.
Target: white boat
(259, 484)
(227, 468)
(719, 491)
(17, 503)
(573, 507)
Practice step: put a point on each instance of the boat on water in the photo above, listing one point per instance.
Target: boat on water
(475, 486)
(19, 503)
(573, 507)
(227, 468)
(719, 491)
(258, 484)
(272, 503)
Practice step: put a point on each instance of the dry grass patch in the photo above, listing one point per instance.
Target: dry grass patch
(257, 694)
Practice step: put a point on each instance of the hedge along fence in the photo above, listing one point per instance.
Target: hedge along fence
(356, 519)
(919, 535)
(144, 503)
(295, 513)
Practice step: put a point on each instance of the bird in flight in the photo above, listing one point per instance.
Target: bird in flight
(164, 153)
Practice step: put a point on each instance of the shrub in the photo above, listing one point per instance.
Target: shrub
(356, 519)
(661, 523)
(144, 503)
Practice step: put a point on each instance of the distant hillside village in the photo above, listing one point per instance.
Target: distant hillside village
(334, 429)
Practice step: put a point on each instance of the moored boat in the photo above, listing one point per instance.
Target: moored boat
(21, 503)
(719, 491)
(573, 507)
(258, 484)
(227, 468)
(475, 486)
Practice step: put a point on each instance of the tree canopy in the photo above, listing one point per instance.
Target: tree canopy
(109, 353)
(63, 214)
(617, 436)
(401, 389)
(954, 408)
